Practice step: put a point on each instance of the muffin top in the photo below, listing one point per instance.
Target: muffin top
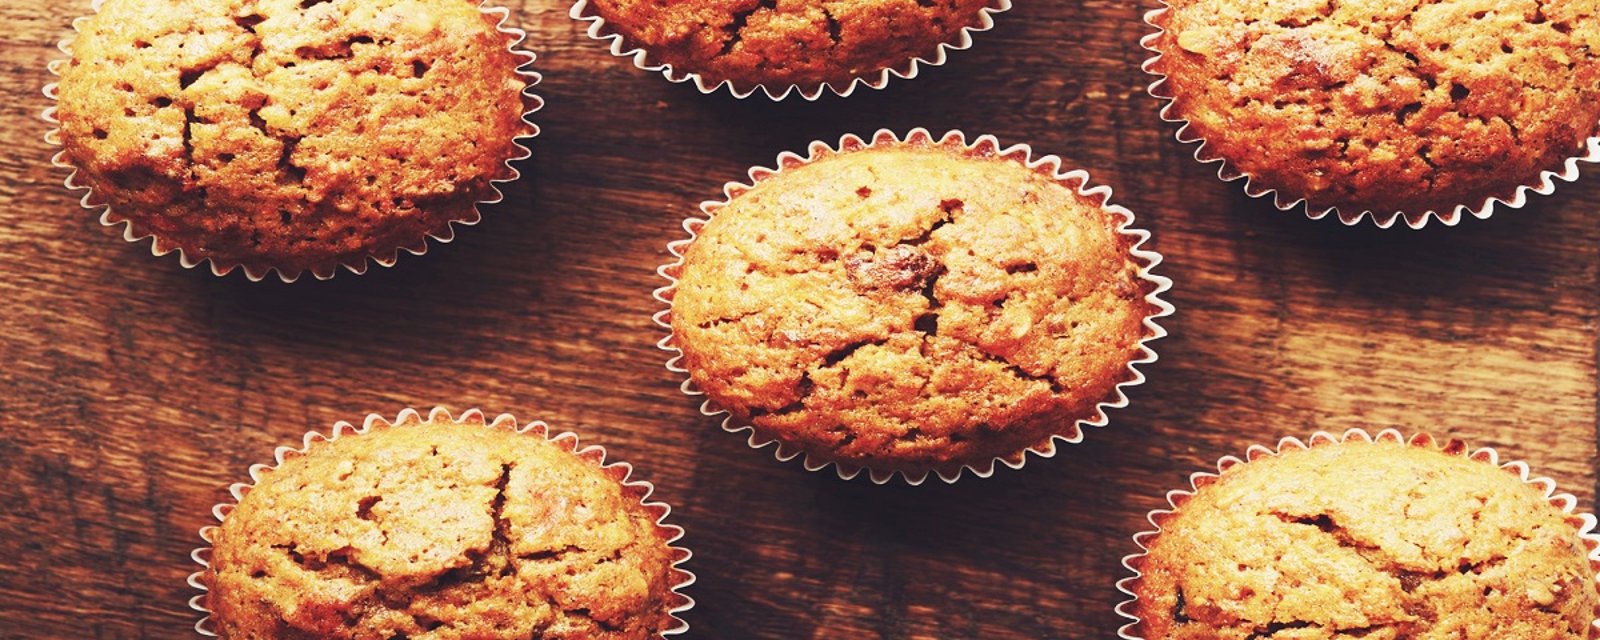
(1411, 106)
(1366, 540)
(801, 42)
(910, 306)
(440, 531)
(289, 134)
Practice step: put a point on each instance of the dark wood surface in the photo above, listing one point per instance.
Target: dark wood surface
(132, 391)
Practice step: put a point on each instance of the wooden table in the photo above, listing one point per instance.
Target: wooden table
(133, 391)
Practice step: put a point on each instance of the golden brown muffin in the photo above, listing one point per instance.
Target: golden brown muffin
(434, 530)
(288, 134)
(1412, 106)
(791, 42)
(911, 307)
(1366, 540)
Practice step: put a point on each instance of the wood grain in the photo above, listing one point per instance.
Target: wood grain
(133, 391)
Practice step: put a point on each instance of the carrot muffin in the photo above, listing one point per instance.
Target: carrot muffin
(806, 43)
(911, 306)
(1370, 540)
(432, 529)
(1386, 107)
(291, 135)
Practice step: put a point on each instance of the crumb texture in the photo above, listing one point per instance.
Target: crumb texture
(782, 42)
(1376, 541)
(910, 307)
(288, 133)
(440, 532)
(1386, 105)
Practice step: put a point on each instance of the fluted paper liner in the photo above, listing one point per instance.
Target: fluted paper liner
(1565, 502)
(600, 30)
(988, 145)
(158, 247)
(566, 441)
(1544, 184)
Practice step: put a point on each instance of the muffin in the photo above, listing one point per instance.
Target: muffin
(914, 306)
(779, 47)
(434, 528)
(1397, 110)
(1371, 539)
(296, 136)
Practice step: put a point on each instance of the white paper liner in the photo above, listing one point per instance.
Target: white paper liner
(160, 248)
(600, 30)
(1544, 185)
(1566, 502)
(987, 145)
(567, 441)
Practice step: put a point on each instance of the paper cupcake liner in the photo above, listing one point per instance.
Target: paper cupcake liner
(1566, 502)
(158, 247)
(567, 441)
(621, 48)
(985, 145)
(1544, 185)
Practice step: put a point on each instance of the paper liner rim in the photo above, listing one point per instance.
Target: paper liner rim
(568, 441)
(1544, 184)
(1564, 502)
(1076, 179)
(599, 30)
(107, 218)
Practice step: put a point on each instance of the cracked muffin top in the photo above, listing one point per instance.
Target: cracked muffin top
(289, 134)
(1406, 105)
(1369, 540)
(911, 307)
(777, 43)
(434, 530)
